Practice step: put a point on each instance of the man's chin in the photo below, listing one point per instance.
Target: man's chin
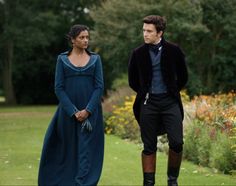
(146, 42)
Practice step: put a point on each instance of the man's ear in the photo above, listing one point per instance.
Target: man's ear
(160, 33)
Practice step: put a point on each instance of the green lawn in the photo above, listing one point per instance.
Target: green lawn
(22, 131)
(2, 99)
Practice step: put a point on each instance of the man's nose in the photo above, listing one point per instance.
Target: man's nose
(145, 33)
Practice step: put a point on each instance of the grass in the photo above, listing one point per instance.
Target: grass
(2, 99)
(22, 131)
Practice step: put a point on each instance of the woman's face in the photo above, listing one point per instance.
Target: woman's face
(81, 41)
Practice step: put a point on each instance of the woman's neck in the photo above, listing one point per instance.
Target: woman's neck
(79, 52)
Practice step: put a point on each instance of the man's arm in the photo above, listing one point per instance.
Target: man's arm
(182, 72)
(133, 73)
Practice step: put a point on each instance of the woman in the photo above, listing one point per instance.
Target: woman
(74, 143)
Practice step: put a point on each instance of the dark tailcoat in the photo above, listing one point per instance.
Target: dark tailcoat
(173, 68)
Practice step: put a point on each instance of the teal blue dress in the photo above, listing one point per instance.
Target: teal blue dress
(72, 156)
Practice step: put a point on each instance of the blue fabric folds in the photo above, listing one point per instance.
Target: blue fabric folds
(73, 151)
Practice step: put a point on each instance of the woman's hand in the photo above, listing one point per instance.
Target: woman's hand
(82, 115)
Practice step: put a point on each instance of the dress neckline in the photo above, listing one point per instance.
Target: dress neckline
(78, 67)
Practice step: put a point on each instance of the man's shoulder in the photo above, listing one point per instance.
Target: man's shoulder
(171, 45)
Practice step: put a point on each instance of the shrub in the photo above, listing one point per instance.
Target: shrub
(217, 110)
(120, 82)
(122, 122)
(203, 146)
(215, 144)
(190, 142)
(209, 136)
(222, 156)
(207, 146)
(233, 147)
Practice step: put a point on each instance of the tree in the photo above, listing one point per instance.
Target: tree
(32, 34)
(24, 26)
(203, 28)
(220, 66)
(118, 28)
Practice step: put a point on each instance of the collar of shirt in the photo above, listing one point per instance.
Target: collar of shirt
(155, 48)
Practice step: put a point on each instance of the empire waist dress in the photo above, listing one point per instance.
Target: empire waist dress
(71, 156)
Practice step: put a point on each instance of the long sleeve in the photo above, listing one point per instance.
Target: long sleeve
(98, 87)
(182, 73)
(132, 73)
(63, 98)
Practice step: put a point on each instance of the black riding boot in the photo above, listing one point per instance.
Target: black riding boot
(148, 179)
(149, 169)
(174, 162)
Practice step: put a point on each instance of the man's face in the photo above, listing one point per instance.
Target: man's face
(150, 34)
(81, 41)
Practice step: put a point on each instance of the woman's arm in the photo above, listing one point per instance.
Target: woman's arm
(98, 87)
(63, 98)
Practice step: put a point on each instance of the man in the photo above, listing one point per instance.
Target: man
(157, 72)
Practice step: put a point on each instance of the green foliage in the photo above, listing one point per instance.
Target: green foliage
(197, 144)
(220, 20)
(221, 155)
(207, 146)
(190, 143)
(120, 82)
(29, 27)
(116, 31)
(1, 92)
(210, 139)
(122, 122)
(205, 29)
(34, 80)
(37, 31)
(120, 22)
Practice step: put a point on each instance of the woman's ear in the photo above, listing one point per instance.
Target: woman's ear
(72, 40)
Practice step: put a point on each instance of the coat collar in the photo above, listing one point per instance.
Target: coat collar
(64, 58)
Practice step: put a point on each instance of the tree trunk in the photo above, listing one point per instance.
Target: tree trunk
(7, 74)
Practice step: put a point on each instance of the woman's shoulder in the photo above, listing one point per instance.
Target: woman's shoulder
(62, 55)
(66, 53)
(93, 54)
(94, 57)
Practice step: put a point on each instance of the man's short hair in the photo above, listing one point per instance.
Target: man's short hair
(158, 21)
